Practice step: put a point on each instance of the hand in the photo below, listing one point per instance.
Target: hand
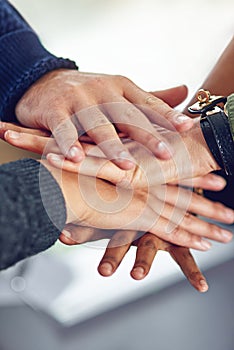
(191, 158)
(147, 247)
(202, 207)
(165, 212)
(68, 102)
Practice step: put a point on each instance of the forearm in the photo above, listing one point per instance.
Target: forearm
(32, 211)
(220, 80)
(23, 59)
(219, 130)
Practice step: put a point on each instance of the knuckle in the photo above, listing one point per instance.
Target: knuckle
(188, 219)
(213, 230)
(217, 206)
(194, 275)
(147, 242)
(110, 259)
(176, 235)
(119, 240)
(169, 113)
(149, 139)
(151, 100)
(121, 78)
(141, 262)
(130, 114)
(97, 82)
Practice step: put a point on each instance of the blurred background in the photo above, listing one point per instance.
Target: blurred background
(57, 300)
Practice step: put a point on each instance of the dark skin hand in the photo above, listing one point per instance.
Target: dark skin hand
(147, 247)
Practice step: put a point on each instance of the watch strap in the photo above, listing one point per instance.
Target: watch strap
(218, 136)
(230, 112)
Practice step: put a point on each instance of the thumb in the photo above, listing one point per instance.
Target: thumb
(173, 96)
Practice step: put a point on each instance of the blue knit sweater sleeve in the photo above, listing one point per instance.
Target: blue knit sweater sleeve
(23, 59)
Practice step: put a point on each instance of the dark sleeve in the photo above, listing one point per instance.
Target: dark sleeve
(23, 59)
(32, 210)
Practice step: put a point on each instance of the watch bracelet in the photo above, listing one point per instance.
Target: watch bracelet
(218, 136)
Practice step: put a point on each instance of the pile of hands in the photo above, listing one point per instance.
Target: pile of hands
(126, 162)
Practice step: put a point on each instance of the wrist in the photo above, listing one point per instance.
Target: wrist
(202, 159)
(192, 156)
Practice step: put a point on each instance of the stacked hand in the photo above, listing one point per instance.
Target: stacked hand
(69, 103)
(188, 233)
(143, 202)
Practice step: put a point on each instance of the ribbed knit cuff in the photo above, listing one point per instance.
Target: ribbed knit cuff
(28, 225)
(35, 180)
(38, 179)
(23, 60)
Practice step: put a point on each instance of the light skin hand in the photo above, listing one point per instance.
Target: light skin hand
(192, 158)
(147, 248)
(67, 102)
(185, 163)
(165, 212)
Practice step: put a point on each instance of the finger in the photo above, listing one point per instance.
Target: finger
(157, 110)
(73, 234)
(31, 142)
(147, 248)
(206, 229)
(136, 125)
(10, 126)
(185, 260)
(91, 166)
(182, 219)
(87, 139)
(102, 132)
(173, 96)
(197, 204)
(115, 252)
(210, 182)
(66, 136)
(66, 239)
(172, 233)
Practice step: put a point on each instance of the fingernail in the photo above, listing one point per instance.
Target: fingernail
(162, 147)
(226, 235)
(126, 158)
(204, 245)
(55, 158)
(124, 155)
(180, 119)
(218, 182)
(76, 154)
(139, 272)
(67, 234)
(204, 285)
(13, 134)
(106, 268)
